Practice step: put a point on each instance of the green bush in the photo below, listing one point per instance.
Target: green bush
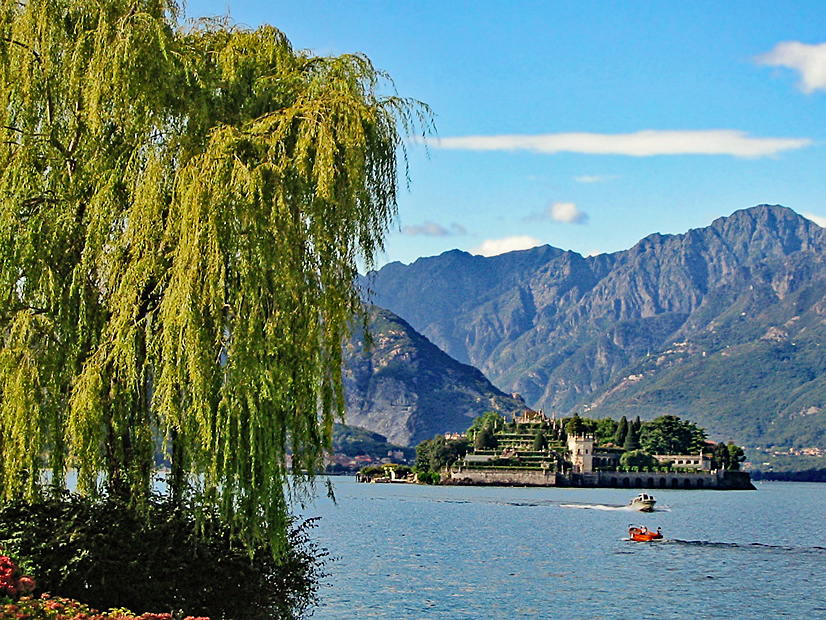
(372, 470)
(638, 460)
(429, 477)
(108, 555)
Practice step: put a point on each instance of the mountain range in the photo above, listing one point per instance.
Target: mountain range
(724, 326)
(408, 390)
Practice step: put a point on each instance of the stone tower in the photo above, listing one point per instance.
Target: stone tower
(581, 448)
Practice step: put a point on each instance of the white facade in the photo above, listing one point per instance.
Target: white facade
(581, 448)
(685, 461)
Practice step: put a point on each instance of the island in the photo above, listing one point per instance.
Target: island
(536, 450)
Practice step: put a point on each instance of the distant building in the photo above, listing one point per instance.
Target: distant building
(581, 448)
(685, 461)
(529, 416)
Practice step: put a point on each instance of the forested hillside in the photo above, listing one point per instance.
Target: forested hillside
(724, 325)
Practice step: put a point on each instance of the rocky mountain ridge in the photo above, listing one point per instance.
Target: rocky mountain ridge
(407, 389)
(723, 325)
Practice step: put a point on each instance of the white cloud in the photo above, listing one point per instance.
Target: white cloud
(596, 178)
(567, 212)
(808, 60)
(494, 247)
(817, 219)
(640, 144)
(431, 229)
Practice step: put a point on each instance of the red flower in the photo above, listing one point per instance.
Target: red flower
(25, 583)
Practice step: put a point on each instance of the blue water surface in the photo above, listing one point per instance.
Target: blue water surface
(421, 552)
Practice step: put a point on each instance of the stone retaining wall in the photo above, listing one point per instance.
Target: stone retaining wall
(717, 479)
(502, 477)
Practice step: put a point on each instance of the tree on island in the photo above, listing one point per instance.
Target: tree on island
(639, 459)
(576, 426)
(728, 456)
(434, 454)
(485, 439)
(182, 212)
(605, 430)
(621, 432)
(669, 435)
(720, 456)
(632, 437)
(737, 456)
(490, 420)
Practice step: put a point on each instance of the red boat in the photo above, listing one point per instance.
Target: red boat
(641, 533)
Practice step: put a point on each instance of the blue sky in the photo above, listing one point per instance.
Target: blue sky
(585, 125)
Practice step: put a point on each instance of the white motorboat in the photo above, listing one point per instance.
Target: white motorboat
(643, 502)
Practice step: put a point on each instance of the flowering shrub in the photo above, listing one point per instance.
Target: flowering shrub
(12, 580)
(56, 608)
(13, 584)
(109, 556)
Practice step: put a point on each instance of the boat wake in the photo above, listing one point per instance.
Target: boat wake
(595, 507)
(747, 546)
(624, 508)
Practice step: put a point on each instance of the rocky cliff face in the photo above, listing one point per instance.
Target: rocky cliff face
(723, 325)
(407, 389)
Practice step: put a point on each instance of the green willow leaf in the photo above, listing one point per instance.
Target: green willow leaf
(181, 214)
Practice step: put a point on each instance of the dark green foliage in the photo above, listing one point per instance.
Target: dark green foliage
(107, 555)
(372, 470)
(491, 420)
(736, 456)
(639, 459)
(669, 435)
(401, 470)
(484, 439)
(434, 454)
(720, 456)
(429, 477)
(354, 441)
(621, 432)
(383, 471)
(632, 438)
(575, 426)
(540, 442)
(605, 430)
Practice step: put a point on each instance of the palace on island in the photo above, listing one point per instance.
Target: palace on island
(534, 450)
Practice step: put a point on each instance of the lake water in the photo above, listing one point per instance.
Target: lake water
(420, 552)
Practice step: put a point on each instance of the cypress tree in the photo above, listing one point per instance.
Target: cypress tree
(632, 439)
(622, 432)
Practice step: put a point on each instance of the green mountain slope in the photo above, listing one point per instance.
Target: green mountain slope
(723, 325)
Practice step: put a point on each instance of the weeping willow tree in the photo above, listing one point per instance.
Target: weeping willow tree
(181, 214)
